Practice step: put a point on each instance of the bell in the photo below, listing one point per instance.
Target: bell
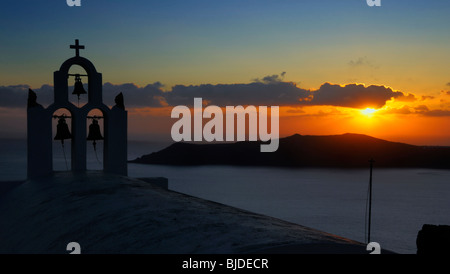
(78, 87)
(62, 130)
(94, 132)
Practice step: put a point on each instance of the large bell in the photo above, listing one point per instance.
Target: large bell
(94, 132)
(62, 130)
(78, 87)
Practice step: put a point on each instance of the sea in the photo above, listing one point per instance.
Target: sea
(330, 200)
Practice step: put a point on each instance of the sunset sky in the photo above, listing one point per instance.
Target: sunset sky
(324, 62)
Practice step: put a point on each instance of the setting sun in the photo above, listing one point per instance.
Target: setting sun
(368, 112)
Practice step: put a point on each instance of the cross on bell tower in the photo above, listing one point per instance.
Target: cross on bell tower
(77, 47)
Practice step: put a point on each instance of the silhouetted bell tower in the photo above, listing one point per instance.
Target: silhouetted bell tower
(39, 123)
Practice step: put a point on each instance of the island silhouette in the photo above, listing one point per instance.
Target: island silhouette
(331, 151)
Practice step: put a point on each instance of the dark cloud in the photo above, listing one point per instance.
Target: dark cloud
(268, 91)
(354, 95)
(296, 111)
(406, 98)
(12, 96)
(17, 95)
(271, 79)
(437, 113)
(425, 97)
(360, 62)
(151, 95)
(257, 93)
(402, 110)
(421, 110)
(272, 91)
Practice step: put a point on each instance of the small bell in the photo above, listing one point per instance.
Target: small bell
(94, 132)
(78, 87)
(62, 130)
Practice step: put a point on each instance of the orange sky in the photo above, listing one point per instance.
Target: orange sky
(413, 128)
(401, 45)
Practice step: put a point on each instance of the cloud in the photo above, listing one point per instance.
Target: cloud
(271, 79)
(437, 113)
(269, 91)
(355, 95)
(257, 93)
(332, 111)
(421, 110)
(296, 110)
(17, 95)
(425, 97)
(407, 98)
(402, 110)
(362, 62)
(151, 95)
(272, 91)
